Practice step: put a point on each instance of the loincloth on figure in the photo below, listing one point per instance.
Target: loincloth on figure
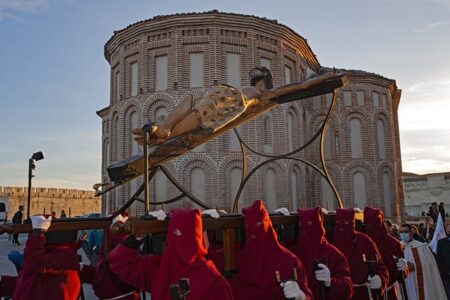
(218, 106)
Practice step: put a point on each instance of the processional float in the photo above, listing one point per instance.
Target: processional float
(128, 169)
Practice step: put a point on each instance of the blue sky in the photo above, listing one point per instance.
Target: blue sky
(53, 75)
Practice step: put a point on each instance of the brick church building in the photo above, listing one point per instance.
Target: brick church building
(155, 62)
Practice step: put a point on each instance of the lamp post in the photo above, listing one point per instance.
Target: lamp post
(31, 166)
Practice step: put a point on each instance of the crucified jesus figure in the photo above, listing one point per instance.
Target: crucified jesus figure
(214, 109)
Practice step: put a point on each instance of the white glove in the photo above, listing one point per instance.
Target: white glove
(41, 222)
(324, 275)
(158, 214)
(211, 212)
(401, 264)
(374, 282)
(292, 290)
(119, 218)
(282, 210)
(81, 266)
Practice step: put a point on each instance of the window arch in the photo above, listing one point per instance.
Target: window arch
(198, 180)
(160, 187)
(356, 138)
(387, 194)
(235, 181)
(134, 123)
(270, 197)
(381, 139)
(268, 132)
(295, 192)
(161, 114)
(291, 130)
(328, 197)
(115, 137)
(359, 190)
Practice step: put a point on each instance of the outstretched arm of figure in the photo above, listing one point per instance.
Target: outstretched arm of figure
(132, 268)
(180, 120)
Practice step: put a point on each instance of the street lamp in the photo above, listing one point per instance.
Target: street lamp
(31, 166)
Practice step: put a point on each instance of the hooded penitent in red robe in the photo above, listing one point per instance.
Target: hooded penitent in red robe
(261, 257)
(353, 245)
(312, 245)
(7, 285)
(386, 243)
(183, 257)
(49, 271)
(105, 283)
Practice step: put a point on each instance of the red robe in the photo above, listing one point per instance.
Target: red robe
(48, 272)
(387, 244)
(261, 257)
(183, 257)
(104, 282)
(353, 245)
(7, 285)
(312, 245)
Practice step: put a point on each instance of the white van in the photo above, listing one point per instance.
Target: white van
(3, 210)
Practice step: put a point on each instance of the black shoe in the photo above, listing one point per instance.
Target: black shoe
(18, 244)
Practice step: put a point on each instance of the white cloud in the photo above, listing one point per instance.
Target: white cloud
(431, 26)
(10, 8)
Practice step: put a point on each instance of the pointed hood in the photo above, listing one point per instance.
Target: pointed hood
(374, 226)
(311, 234)
(183, 255)
(262, 254)
(344, 229)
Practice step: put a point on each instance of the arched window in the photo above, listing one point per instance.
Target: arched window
(295, 195)
(235, 181)
(359, 190)
(161, 72)
(268, 132)
(233, 61)
(233, 141)
(198, 184)
(270, 196)
(133, 124)
(328, 144)
(381, 140)
(356, 138)
(291, 130)
(265, 62)
(328, 197)
(107, 155)
(387, 194)
(134, 84)
(160, 188)
(161, 115)
(115, 137)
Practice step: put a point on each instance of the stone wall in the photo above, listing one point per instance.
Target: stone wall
(46, 200)
(422, 190)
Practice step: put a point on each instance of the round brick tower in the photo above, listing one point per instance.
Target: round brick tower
(155, 62)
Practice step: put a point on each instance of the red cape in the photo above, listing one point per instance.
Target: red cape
(353, 245)
(183, 257)
(386, 243)
(48, 272)
(261, 257)
(312, 245)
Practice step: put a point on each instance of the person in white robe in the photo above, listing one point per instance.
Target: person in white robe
(424, 281)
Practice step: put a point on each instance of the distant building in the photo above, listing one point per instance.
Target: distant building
(45, 200)
(156, 61)
(422, 190)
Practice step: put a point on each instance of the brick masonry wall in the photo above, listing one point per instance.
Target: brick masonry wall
(46, 200)
(214, 34)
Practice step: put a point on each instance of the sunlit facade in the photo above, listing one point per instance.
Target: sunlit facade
(154, 63)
